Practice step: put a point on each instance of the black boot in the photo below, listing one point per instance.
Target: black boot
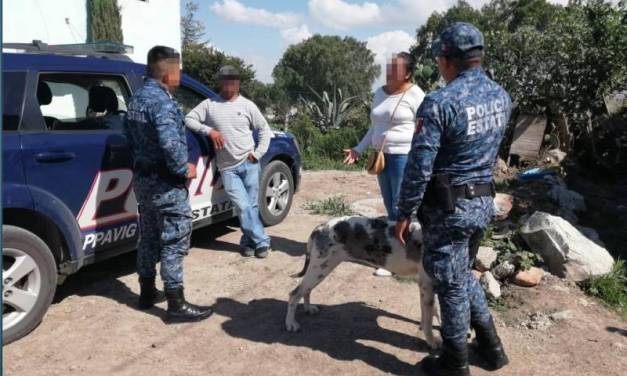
(181, 310)
(149, 295)
(452, 362)
(489, 345)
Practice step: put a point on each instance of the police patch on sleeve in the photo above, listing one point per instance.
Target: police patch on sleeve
(419, 123)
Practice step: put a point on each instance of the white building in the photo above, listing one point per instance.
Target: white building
(145, 23)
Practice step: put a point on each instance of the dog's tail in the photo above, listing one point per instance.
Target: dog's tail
(307, 259)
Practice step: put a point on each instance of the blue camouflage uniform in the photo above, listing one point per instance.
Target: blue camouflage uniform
(155, 131)
(459, 131)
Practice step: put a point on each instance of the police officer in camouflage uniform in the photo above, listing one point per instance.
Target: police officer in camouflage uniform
(449, 176)
(156, 135)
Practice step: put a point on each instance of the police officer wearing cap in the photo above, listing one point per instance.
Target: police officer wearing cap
(448, 176)
(156, 135)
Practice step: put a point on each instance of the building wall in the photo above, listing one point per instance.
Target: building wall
(144, 23)
(53, 22)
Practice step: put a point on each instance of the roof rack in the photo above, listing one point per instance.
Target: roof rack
(104, 49)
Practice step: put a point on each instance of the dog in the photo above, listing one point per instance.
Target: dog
(369, 241)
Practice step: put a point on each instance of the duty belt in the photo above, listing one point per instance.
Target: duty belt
(470, 191)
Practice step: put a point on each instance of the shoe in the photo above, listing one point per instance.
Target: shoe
(262, 252)
(452, 362)
(489, 345)
(149, 295)
(180, 310)
(382, 273)
(247, 252)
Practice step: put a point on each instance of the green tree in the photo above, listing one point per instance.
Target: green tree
(325, 62)
(202, 62)
(105, 21)
(192, 30)
(552, 59)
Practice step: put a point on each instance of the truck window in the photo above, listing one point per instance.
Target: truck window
(187, 98)
(81, 102)
(13, 99)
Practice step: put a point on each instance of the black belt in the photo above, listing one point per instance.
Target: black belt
(471, 191)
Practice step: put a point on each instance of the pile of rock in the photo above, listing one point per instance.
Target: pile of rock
(492, 273)
(575, 253)
(566, 251)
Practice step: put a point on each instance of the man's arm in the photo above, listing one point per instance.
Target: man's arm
(174, 146)
(265, 133)
(424, 150)
(196, 119)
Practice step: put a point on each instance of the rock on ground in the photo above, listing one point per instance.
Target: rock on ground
(503, 270)
(503, 205)
(490, 285)
(486, 256)
(555, 156)
(529, 278)
(566, 251)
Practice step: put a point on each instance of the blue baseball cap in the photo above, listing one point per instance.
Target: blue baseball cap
(460, 40)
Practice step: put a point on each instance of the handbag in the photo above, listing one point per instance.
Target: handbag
(376, 160)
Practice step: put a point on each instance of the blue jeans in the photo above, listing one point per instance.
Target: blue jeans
(241, 184)
(390, 180)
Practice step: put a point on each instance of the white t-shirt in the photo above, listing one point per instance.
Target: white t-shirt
(399, 131)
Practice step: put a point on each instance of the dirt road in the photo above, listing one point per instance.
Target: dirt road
(367, 325)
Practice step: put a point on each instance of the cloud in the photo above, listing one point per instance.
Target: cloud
(295, 34)
(233, 10)
(339, 14)
(343, 15)
(386, 44)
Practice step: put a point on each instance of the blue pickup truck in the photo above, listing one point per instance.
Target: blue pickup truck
(67, 198)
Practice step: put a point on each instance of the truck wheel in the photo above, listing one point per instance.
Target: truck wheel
(276, 192)
(29, 281)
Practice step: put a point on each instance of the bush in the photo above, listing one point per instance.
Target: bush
(324, 151)
(611, 288)
(335, 206)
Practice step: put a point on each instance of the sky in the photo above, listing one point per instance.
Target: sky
(259, 31)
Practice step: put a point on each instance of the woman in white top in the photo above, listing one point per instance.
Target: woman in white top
(393, 118)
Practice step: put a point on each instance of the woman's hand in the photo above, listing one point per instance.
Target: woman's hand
(351, 156)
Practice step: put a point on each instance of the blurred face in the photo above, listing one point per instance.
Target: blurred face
(395, 72)
(446, 68)
(172, 77)
(229, 88)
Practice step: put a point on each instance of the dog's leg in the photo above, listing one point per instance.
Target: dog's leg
(427, 305)
(325, 269)
(290, 321)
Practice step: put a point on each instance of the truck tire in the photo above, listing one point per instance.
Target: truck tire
(276, 191)
(29, 281)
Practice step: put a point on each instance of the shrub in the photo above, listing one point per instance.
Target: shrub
(335, 206)
(611, 288)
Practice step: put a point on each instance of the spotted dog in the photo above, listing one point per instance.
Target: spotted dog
(369, 241)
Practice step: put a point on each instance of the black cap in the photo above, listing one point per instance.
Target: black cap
(228, 72)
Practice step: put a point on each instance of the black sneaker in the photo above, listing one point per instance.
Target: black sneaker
(261, 252)
(247, 252)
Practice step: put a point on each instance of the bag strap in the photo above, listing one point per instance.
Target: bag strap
(394, 112)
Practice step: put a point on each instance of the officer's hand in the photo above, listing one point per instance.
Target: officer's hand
(401, 229)
(351, 156)
(252, 158)
(218, 140)
(191, 171)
